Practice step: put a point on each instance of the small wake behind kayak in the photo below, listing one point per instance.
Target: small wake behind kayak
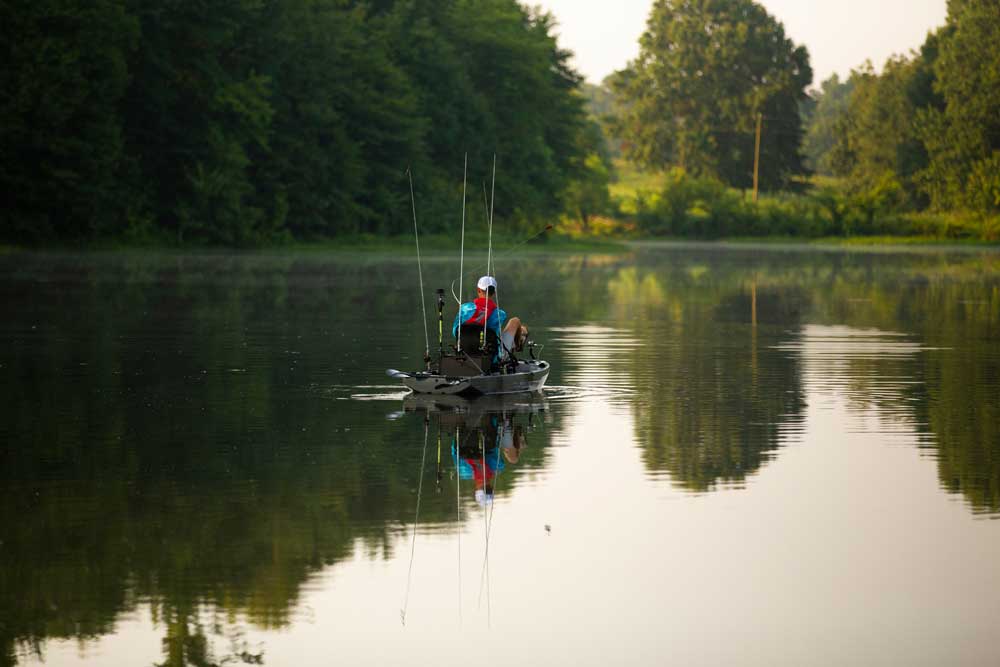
(524, 377)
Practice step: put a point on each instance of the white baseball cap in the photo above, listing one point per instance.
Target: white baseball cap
(485, 282)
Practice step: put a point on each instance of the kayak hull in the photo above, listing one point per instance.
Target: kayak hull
(528, 376)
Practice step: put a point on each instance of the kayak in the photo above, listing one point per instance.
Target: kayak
(524, 377)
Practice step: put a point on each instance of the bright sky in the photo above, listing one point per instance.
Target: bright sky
(840, 34)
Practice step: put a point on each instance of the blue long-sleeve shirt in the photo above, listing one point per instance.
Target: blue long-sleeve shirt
(472, 312)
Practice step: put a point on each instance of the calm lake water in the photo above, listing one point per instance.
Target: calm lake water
(749, 456)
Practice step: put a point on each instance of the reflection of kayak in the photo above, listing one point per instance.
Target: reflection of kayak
(527, 376)
(482, 424)
(509, 403)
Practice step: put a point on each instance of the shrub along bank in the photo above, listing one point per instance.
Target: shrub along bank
(704, 208)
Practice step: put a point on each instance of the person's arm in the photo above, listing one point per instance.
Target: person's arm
(501, 315)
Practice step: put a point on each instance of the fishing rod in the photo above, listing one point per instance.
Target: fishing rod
(484, 574)
(489, 224)
(490, 267)
(458, 514)
(437, 484)
(493, 192)
(486, 531)
(416, 520)
(420, 271)
(461, 261)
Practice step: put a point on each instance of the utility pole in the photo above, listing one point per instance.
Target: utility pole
(756, 156)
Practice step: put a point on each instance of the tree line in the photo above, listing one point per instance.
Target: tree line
(246, 121)
(251, 121)
(925, 132)
(705, 73)
(915, 149)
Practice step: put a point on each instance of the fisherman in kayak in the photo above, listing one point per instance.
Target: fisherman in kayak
(484, 312)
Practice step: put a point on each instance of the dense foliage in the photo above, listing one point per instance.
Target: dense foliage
(704, 72)
(242, 121)
(914, 149)
(687, 206)
(925, 132)
(822, 114)
(963, 138)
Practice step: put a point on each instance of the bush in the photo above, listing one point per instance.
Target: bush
(704, 208)
(689, 206)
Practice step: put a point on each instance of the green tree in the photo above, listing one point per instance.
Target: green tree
(587, 194)
(490, 78)
(528, 84)
(60, 132)
(242, 121)
(601, 107)
(877, 142)
(345, 123)
(877, 129)
(194, 110)
(823, 126)
(963, 138)
(704, 72)
(424, 40)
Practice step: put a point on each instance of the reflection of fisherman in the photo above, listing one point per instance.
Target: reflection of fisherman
(481, 460)
(484, 312)
(481, 467)
(512, 441)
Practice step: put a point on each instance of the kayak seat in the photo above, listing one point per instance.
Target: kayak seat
(474, 341)
(478, 353)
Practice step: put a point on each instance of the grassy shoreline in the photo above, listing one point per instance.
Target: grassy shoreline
(859, 244)
(437, 245)
(429, 245)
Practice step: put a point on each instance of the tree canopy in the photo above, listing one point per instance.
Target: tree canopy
(825, 108)
(963, 137)
(925, 131)
(243, 121)
(705, 70)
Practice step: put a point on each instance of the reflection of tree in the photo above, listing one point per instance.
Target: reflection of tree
(192, 462)
(953, 310)
(708, 407)
(185, 644)
(963, 411)
(712, 413)
(961, 405)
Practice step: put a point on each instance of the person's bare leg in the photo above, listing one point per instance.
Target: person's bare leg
(512, 329)
(517, 331)
(513, 326)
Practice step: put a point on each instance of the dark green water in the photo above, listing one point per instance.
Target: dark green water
(746, 456)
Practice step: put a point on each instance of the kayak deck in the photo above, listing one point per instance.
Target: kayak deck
(528, 376)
